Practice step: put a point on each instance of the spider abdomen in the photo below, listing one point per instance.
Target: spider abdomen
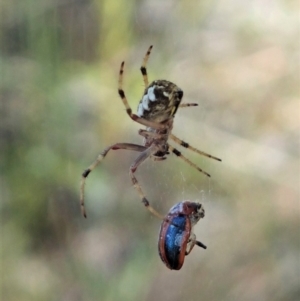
(160, 101)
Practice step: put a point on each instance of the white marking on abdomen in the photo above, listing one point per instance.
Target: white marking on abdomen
(145, 102)
(140, 111)
(151, 94)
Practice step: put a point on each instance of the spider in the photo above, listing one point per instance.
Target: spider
(156, 111)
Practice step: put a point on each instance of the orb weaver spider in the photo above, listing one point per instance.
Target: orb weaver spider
(156, 111)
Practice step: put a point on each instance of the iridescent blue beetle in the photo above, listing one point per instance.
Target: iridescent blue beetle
(176, 238)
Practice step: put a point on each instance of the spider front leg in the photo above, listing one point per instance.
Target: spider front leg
(134, 117)
(101, 156)
(143, 67)
(141, 158)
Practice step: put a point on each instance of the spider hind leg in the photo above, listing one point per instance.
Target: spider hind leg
(186, 145)
(179, 155)
(140, 159)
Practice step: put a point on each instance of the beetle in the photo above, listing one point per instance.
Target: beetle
(176, 237)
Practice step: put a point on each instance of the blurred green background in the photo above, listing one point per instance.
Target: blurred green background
(60, 107)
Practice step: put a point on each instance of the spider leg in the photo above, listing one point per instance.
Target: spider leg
(101, 156)
(140, 159)
(134, 117)
(178, 154)
(184, 105)
(147, 134)
(186, 145)
(159, 158)
(143, 67)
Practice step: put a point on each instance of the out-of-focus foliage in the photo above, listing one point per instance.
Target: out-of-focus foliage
(59, 108)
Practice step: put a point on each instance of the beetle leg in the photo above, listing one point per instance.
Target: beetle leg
(200, 244)
(192, 242)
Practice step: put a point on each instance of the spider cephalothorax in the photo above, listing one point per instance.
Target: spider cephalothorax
(156, 111)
